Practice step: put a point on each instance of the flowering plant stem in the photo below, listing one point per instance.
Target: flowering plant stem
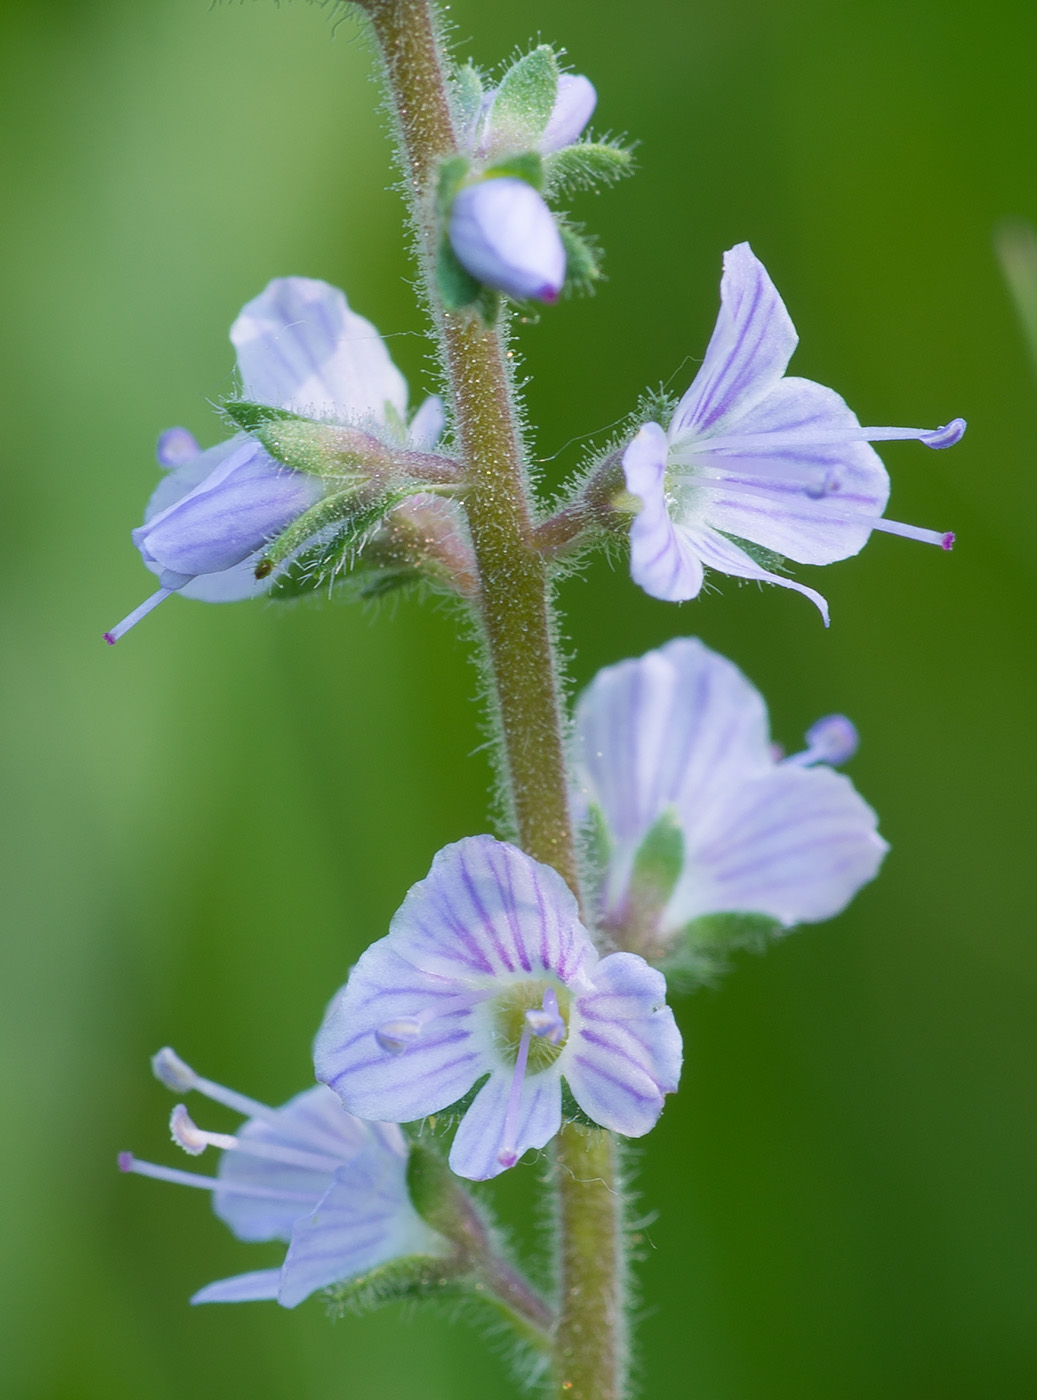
(514, 610)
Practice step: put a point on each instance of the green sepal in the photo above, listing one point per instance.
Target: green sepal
(524, 165)
(587, 165)
(321, 565)
(452, 175)
(447, 1118)
(759, 554)
(325, 450)
(571, 1110)
(657, 867)
(457, 287)
(582, 268)
(525, 99)
(252, 416)
(379, 583)
(415, 1276)
(596, 844)
(701, 953)
(467, 90)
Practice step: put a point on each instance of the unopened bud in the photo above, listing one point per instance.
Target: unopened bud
(504, 235)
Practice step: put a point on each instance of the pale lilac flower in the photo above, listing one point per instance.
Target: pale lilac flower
(308, 1173)
(755, 454)
(574, 105)
(300, 348)
(681, 731)
(487, 971)
(504, 235)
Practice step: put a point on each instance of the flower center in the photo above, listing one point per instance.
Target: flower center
(536, 1006)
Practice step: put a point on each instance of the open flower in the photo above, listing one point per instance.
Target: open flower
(300, 348)
(754, 455)
(681, 734)
(308, 1173)
(487, 974)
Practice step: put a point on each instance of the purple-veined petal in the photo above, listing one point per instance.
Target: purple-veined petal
(231, 585)
(722, 554)
(479, 1139)
(795, 844)
(256, 1287)
(671, 729)
(181, 480)
(574, 106)
(504, 234)
(747, 354)
(426, 427)
(624, 1052)
(301, 347)
(314, 1121)
(801, 479)
(662, 561)
(365, 1219)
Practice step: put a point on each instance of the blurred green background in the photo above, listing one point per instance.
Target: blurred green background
(202, 828)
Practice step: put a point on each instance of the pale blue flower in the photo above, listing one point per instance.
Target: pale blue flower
(754, 454)
(309, 1173)
(574, 104)
(300, 347)
(681, 731)
(487, 974)
(505, 236)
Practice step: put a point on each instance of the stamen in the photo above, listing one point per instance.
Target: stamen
(129, 1163)
(831, 740)
(945, 539)
(195, 1140)
(171, 1070)
(547, 1021)
(401, 1032)
(936, 438)
(131, 619)
(777, 441)
(508, 1155)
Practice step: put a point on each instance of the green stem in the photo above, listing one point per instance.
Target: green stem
(515, 612)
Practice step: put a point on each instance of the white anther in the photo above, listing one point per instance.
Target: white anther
(170, 1069)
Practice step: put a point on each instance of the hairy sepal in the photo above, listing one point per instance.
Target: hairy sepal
(701, 953)
(415, 1277)
(524, 165)
(346, 525)
(582, 259)
(325, 450)
(525, 99)
(587, 165)
(467, 93)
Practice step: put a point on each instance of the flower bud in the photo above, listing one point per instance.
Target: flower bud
(503, 234)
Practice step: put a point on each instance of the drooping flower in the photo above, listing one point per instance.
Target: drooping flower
(487, 971)
(309, 1173)
(300, 347)
(680, 734)
(752, 454)
(504, 235)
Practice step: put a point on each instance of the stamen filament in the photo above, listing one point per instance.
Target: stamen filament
(129, 1163)
(401, 1032)
(773, 442)
(508, 1156)
(131, 619)
(194, 1140)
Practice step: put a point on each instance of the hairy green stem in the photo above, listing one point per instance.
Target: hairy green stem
(515, 613)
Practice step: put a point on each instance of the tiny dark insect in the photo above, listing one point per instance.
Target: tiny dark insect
(263, 568)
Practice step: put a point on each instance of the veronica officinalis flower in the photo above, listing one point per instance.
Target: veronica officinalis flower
(505, 236)
(309, 1173)
(300, 347)
(753, 455)
(487, 974)
(679, 739)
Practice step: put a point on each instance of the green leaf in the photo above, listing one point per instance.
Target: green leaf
(581, 259)
(587, 165)
(525, 99)
(524, 165)
(416, 1276)
(457, 286)
(467, 89)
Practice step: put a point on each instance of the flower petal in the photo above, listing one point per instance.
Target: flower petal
(259, 1286)
(315, 1121)
(793, 491)
(662, 560)
(366, 1219)
(747, 354)
(426, 427)
(722, 554)
(504, 235)
(574, 105)
(795, 844)
(300, 347)
(192, 471)
(480, 1137)
(624, 1052)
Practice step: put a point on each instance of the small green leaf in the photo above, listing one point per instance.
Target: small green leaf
(452, 175)
(581, 259)
(524, 165)
(587, 165)
(457, 286)
(525, 100)
(417, 1276)
(467, 93)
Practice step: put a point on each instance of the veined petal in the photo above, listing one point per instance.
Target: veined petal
(365, 1219)
(662, 560)
(750, 347)
(504, 235)
(790, 489)
(190, 474)
(300, 347)
(719, 553)
(574, 106)
(315, 1121)
(624, 1053)
(426, 427)
(480, 1137)
(231, 585)
(795, 844)
(256, 1287)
